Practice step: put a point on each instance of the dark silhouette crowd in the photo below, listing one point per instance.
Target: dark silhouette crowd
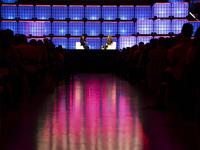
(167, 67)
(29, 67)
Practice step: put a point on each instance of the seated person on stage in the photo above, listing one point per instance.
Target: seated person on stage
(83, 42)
(109, 42)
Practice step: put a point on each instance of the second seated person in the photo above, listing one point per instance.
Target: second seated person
(109, 42)
(83, 42)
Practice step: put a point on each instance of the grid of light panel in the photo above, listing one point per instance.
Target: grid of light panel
(37, 39)
(76, 12)
(196, 25)
(22, 27)
(109, 28)
(157, 37)
(59, 28)
(92, 12)
(9, 25)
(8, 11)
(145, 39)
(93, 28)
(9, 1)
(109, 12)
(162, 10)
(26, 12)
(76, 28)
(126, 12)
(43, 12)
(94, 43)
(59, 12)
(36, 28)
(127, 41)
(175, 1)
(104, 41)
(180, 10)
(177, 25)
(72, 42)
(162, 26)
(143, 12)
(126, 28)
(144, 26)
(61, 41)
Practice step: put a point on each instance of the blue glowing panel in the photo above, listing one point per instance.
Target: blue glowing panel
(180, 10)
(109, 12)
(157, 37)
(143, 12)
(145, 39)
(177, 25)
(61, 41)
(175, 1)
(162, 10)
(43, 12)
(126, 12)
(9, 25)
(126, 28)
(127, 41)
(144, 26)
(76, 12)
(35, 28)
(109, 28)
(72, 42)
(8, 11)
(9, 1)
(196, 25)
(59, 12)
(59, 28)
(26, 12)
(162, 26)
(94, 43)
(76, 28)
(93, 28)
(92, 12)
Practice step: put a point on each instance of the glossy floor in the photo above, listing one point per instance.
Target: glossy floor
(95, 112)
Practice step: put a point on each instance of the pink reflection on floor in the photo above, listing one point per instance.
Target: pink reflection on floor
(95, 115)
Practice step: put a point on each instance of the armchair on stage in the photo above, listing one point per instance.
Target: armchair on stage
(110, 47)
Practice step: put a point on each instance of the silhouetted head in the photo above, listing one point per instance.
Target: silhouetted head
(4, 41)
(39, 42)
(161, 41)
(9, 34)
(33, 43)
(22, 38)
(153, 43)
(187, 30)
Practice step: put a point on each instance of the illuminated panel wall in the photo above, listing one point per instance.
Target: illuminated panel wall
(143, 12)
(59, 28)
(72, 42)
(9, 1)
(162, 10)
(60, 41)
(9, 25)
(109, 28)
(196, 25)
(109, 12)
(145, 39)
(175, 1)
(26, 12)
(93, 28)
(43, 12)
(76, 28)
(94, 43)
(92, 12)
(8, 11)
(76, 12)
(104, 40)
(126, 28)
(34, 28)
(157, 37)
(162, 26)
(126, 41)
(177, 25)
(144, 26)
(180, 10)
(59, 12)
(126, 12)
